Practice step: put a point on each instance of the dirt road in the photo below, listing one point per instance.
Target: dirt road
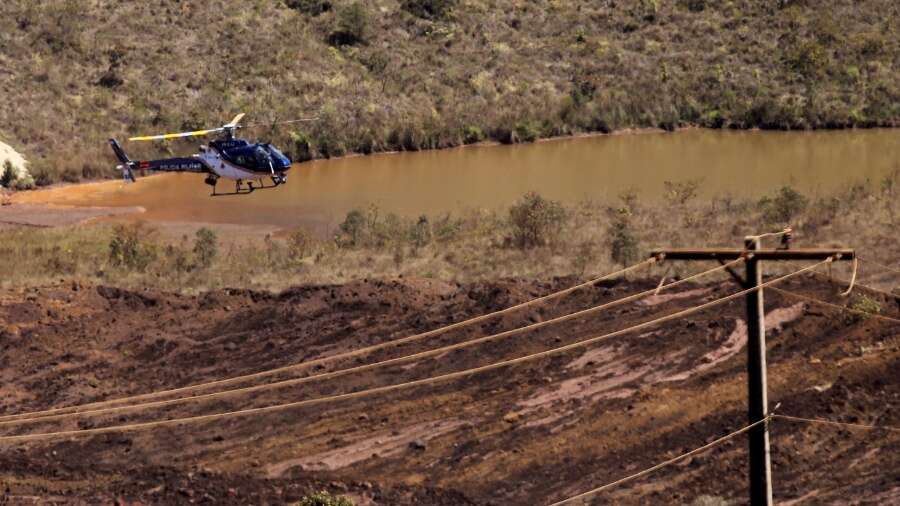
(528, 434)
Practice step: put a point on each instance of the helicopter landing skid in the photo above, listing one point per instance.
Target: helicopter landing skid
(239, 189)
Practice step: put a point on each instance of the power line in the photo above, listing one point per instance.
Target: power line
(844, 281)
(420, 382)
(330, 358)
(839, 424)
(365, 367)
(834, 306)
(885, 267)
(645, 472)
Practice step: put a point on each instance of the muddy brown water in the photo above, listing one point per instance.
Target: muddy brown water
(318, 194)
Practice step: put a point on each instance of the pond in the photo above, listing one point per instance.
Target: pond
(319, 193)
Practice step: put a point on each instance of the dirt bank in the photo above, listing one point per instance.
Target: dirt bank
(529, 434)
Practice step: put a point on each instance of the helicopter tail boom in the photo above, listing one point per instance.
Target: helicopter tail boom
(127, 165)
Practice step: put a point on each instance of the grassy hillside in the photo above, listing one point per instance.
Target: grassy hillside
(415, 74)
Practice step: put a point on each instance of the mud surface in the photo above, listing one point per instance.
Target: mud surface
(48, 215)
(532, 433)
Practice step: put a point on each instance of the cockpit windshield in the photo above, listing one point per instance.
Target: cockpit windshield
(261, 157)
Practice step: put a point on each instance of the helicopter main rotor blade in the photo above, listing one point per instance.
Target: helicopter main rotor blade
(160, 137)
(233, 123)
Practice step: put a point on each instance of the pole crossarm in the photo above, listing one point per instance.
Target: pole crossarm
(762, 254)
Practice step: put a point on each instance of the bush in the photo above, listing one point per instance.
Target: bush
(585, 255)
(535, 221)
(205, 247)
(472, 135)
(354, 226)
(622, 241)
(681, 192)
(309, 7)
(300, 245)
(420, 233)
(132, 246)
(302, 147)
(324, 499)
(866, 306)
(8, 174)
(782, 208)
(526, 132)
(429, 9)
(352, 24)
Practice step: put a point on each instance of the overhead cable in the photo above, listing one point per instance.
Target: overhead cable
(329, 358)
(365, 367)
(839, 424)
(645, 472)
(408, 384)
(834, 306)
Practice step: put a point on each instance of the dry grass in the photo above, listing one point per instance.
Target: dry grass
(475, 245)
(431, 73)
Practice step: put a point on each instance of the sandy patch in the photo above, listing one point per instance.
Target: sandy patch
(46, 215)
(654, 300)
(736, 341)
(385, 444)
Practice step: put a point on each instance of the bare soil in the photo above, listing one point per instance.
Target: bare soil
(529, 434)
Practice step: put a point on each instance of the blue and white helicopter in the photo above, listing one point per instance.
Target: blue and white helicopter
(227, 157)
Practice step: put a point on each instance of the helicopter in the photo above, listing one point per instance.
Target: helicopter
(227, 157)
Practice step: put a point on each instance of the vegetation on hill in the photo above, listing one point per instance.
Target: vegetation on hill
(417, 74)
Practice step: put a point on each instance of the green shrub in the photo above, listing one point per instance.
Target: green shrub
(206, 247)
(446, 228)
(623, 242)
(8, 174)
(585, 255)
(429, 9)
(352, 25)
(807, 58)
(324, 499)
(681, 192)
(694, 5)
(420, 233)
(353, 227)
(309, 7)
(526, 132)
(300, 244)
(784, 206)
(132, 246)
(535, 221)
(472, 135)
(302, 147)
(866, 306)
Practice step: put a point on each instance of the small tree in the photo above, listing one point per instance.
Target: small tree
(352, 25)
(784, 206)
(354, 226)
(420, 233)
(535, 220)
(623, 242)
(206, 247)
(300, 245)
(132, 246)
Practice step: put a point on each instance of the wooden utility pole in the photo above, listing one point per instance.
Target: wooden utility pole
(760, 466)
(757, 393)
